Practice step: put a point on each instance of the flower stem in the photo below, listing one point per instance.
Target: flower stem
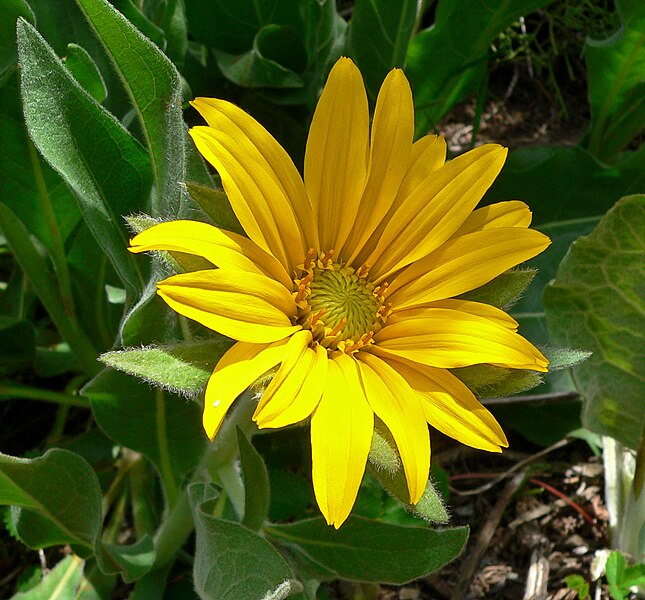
(178, 523)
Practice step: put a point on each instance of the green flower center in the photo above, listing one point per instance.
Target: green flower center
(340, 305)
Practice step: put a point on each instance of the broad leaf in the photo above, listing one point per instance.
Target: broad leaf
(365, 550)
(165, 428)
(61, 583)
(256, 484)
(97, 157)
(182, 368)
(85, 71)
(30, 187)
(447, 62)
(132, 561)
(57, 499)
(378, 38)
(615, 68)
(596, 303)
(252, 571)
(153, 84)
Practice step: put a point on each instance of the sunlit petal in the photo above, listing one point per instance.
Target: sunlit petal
(512, 213)
(398, 406)
(244, 306)
(297, 387)
(263, 185)
(341, 436)
(463, 264)
(240, 366)
(337, 154)
(447, 338)
(451, 407)
(223, 248)
(390, 147)
(436, 209)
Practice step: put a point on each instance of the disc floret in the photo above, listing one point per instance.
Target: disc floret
(341, 306)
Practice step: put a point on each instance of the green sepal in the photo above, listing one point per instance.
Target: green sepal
(504, 290)
(182, 368)
(386, 466)
(487, 381)
(216, 206)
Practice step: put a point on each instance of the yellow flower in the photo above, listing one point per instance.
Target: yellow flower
(348, 281)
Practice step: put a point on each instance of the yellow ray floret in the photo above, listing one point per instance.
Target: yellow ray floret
(345, 294)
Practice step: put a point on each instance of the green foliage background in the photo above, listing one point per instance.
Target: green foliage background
(93, 113)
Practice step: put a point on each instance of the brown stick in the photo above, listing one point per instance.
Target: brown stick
(471, 562)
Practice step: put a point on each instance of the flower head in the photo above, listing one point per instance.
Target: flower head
(348, 281)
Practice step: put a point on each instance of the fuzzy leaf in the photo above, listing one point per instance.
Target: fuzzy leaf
(596, 303)
(365, 550)
(153, 84)
(56, 496)
(60, 584)
(102, 163)
(182, 368)
(85, 71)
(254, 570)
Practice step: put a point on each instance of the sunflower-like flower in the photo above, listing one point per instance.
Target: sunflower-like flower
(348, 280)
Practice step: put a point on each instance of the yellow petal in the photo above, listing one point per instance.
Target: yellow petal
(390, 146)
(436, 209)
(487, 311)
(463, 264)
(447, 338)
(451, 407)
(260, 180)
(336, 154)
(297, 387)
(223, 248)
(427, 154)
(244, 306)
(341, 435)
(240, 366)
(398, 406)
(512, 213)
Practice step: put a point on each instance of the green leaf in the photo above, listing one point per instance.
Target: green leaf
(132, 561)
(615, 69)
(255, 68)
(166, 429)
(154, 87)
(253, 570)
(30, 187)
(578, 584)
(504, 290)
(256, 484)
(448, 61)
(85, 71)
(216, 205)
(61, 583)
(365, 550)
(182, 368)
(596, 303)
(378, 37)
(11, 10)
(97, 157)
(59, 490)
(46, 287)
(214, 24)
